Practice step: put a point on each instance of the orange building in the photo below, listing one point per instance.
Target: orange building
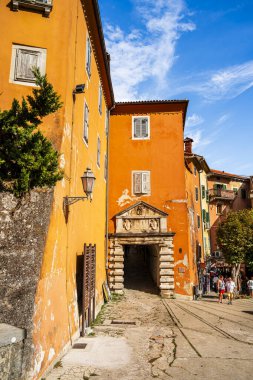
(148, 197)
(64, 39)
(226, 192)
(198, 210)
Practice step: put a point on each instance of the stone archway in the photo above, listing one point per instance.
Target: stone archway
(141, 224)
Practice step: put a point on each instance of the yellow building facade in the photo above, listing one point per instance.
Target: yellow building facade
(65, 40)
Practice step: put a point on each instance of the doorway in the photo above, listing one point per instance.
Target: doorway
(141, 268)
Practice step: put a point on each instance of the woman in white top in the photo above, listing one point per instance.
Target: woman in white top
(250, 287)
(230, 290)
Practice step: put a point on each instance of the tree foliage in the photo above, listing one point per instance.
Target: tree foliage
(235, 237)
(27, 158)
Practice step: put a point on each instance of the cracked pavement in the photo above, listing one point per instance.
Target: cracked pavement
(164, 339)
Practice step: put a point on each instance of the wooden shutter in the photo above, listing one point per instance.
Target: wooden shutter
(86, 123)
(145, 182)
(137, 127)
(137, 179)
(203, 191)
(196, 194)
(88, 56)
(26, 61)
(100, 99)
(144, 127)
(204, 215)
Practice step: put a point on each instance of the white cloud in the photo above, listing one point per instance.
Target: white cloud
(222, 119)
(230, 82)
(193, 120)
(227, 83)
(147, 52)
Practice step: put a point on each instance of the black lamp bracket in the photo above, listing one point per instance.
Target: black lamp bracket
(67, 201)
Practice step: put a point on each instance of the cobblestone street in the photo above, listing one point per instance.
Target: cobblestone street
(141, 336)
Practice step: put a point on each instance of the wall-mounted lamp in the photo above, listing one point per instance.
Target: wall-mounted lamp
(88, 180)
(79, 89)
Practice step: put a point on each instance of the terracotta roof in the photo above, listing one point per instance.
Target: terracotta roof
(150, 106)
(225, 174)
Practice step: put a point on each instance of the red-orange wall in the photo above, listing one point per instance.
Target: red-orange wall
(163, 155)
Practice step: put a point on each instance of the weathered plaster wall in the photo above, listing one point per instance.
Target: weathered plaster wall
(23, 229)
(163, 156)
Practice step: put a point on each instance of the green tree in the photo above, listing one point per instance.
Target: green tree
(27, 158)
(235, 238)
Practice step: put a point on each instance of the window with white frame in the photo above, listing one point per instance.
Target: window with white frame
(88, 56)
(86, 124)
(100, 97)
(140, 127)
(24, 60)
(141, 182)
(98, 151)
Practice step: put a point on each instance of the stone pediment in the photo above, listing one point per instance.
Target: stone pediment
(141, 218)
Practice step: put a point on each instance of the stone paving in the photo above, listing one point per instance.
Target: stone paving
(164, 339)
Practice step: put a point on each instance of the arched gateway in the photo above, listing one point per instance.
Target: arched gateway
(142, 225)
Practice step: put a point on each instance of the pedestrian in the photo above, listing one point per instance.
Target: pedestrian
(230, 285)
(250, 286)
(221, 288)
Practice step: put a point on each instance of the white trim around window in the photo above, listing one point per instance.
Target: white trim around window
(141, 182)
(86, 124)
(23, 60)
(141, 127)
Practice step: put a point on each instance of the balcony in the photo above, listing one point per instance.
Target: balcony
(44, 6)
(221, 194)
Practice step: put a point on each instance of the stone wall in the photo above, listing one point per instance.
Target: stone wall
(23, 228)
(11, 352)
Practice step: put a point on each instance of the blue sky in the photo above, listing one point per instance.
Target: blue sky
(201, 50)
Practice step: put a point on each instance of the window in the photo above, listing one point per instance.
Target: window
(235, 190)
(203, 191)
(204, 216)
(198, 219)
(98, 152)
(195, 171)
(141, 182)
(88, 57)
(140, 127)
(24, 60)
(243, 193)
(86, 124)
(100, 97)
(196, 194)
(219, 209)
(107, 122)
(207, 196)
(105, 168)
(37, 5)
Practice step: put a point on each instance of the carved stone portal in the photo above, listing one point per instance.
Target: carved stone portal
(142, 224)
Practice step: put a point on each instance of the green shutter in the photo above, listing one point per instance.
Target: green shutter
(207, 196)
(203, 215)
(203, 190)
(224, 187)
(207, 217)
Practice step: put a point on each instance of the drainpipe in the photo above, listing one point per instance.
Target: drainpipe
(107, 191)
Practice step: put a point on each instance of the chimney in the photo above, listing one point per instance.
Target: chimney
(108, 57)
(188, 145)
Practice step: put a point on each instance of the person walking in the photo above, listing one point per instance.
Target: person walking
(221, 288)
(230, 285)
(250, 286)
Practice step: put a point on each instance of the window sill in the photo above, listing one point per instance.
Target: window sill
(35, 5)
